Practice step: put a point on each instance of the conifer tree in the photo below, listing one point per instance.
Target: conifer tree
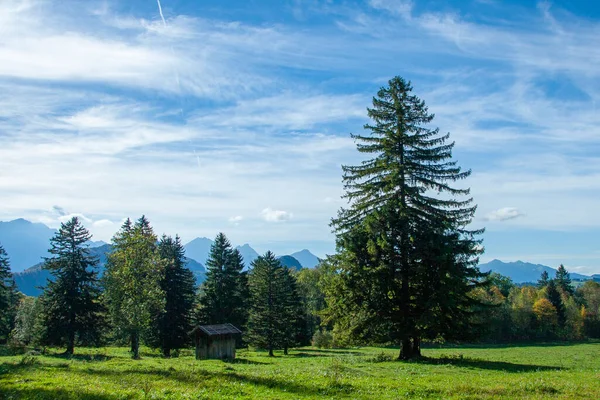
(9, 296)
(563, 280)
(292, 311)
(556, 300)
(72, 309)
(132, 281)
(391, 208)
(544, 279)
(171, 327)
(222, 293)
(266, 322)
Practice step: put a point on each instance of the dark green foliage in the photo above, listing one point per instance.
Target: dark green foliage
(71, 301)
(9, 297)
(312, 297)
(271, 324)
(544, 279)
(132, 281)
(171, 327)
(292, 316)
(224, 293)
(503, 283)
(555, 298)
(563, 280)
(411, 261)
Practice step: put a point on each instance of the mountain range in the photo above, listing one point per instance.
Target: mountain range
(27, 244)
(524, 272)
(34, 278)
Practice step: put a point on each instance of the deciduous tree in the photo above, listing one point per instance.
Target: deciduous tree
(133, 281)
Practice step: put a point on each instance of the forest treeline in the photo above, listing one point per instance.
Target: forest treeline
(404, 273)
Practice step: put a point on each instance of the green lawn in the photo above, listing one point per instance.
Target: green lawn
(561, 371)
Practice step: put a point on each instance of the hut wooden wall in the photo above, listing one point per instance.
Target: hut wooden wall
(215, 348)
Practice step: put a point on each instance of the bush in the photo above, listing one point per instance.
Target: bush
(381, 357)
(322, 340)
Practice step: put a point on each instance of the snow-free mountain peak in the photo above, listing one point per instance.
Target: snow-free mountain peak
(306, 258)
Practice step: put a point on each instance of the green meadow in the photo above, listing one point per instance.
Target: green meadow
(531, 372)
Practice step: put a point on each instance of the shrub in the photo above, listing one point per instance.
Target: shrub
(322, 340)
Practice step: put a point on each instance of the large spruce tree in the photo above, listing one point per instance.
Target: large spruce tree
(223, 293)
(9, 297)
(132, 281)
(268, 309)
(171, 327)
(71, 301)
(411, 259)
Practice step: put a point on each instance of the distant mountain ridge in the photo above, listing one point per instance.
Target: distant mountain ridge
(524, 272)
(30, 280)
(25, 242)
(199, 250)
(306, 258)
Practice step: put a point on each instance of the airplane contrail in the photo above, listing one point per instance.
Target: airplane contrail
(161, 13)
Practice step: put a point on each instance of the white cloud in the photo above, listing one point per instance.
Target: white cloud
(101, 223)
(271, 215)
(236, 219)
(81, 217)
(504, 214)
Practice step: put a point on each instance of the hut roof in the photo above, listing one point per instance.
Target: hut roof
(216, 330)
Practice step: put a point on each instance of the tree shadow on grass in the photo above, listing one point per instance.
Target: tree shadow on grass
(326, 353)
(81, 357)
(52, 394)
(474, 363)
(486, 346)
(244, 361)
(198, 376)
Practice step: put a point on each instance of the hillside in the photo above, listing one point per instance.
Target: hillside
(290, 262)
(523, 272)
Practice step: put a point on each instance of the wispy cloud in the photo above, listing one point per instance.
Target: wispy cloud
(196, 120)
(504, 214)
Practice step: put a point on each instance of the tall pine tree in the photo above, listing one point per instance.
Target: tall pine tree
(132, 281)
(563, 280)
(394, 214)
(292, 311)
(267, 317)
(9, 297)
(222, 298)
(71, 301)
(171, 327)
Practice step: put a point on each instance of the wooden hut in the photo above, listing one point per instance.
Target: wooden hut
(215, 341)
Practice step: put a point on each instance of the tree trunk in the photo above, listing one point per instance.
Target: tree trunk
(70, 344)
(416, 347)
(270, 350)
(135, 345)
(285, 350)
(167, 352)
(406, 352)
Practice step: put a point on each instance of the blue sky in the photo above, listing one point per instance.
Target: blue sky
(235, 116)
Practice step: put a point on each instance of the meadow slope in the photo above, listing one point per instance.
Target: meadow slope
(535, 372)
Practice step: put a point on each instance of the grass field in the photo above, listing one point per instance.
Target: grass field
(536, 371)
